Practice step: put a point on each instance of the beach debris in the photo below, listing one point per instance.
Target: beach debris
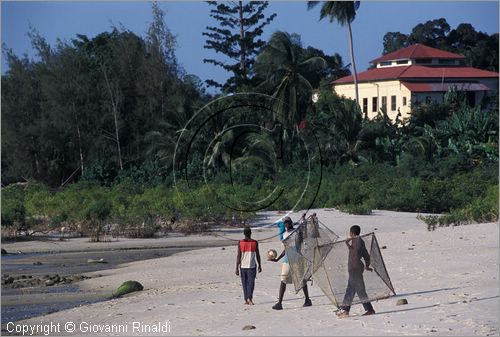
(223, 248)
(249, 327)
(402, 301)
(37, 263)
(8, 280)
(101, 260)
(4, 252)
(126, 288)
(383, 247)
(25, 281)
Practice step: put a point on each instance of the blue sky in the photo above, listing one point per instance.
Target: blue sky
(187, 20)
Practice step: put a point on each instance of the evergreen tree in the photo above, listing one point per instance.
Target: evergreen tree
(237, 37)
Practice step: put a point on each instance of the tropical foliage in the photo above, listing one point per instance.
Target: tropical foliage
(90, 128)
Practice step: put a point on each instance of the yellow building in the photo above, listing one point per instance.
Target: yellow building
(412, 75)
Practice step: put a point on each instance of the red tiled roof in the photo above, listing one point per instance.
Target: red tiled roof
(417, 51)
(438, 86)
(418, 72)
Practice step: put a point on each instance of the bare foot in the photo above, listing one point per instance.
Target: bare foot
(250, 302)
(246, 302)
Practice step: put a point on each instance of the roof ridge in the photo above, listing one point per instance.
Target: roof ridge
(413, 50)
(404, 70)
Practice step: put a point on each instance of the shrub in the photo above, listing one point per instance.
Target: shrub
(13, 208)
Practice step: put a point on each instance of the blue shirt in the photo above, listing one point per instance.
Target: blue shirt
(281, 226)
(282, 229)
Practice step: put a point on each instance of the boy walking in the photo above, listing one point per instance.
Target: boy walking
(355, 267)
(248, 252)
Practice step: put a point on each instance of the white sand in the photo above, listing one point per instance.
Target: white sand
(450, 280)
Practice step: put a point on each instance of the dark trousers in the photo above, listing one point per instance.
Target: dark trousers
(356, 284)
(248, 281)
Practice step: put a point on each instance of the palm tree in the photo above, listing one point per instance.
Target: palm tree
(284, 70)
(344, 13)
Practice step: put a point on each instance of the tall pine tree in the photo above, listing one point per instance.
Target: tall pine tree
(237, 37)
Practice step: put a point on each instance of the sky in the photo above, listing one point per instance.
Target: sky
(187, 20)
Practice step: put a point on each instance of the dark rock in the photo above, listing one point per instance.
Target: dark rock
(4, 252)
(49, 283)
(249, 327)
(384, 247)
(8, 280)
(402, 301)
(37, 263)
(223, 248)
(126, 288)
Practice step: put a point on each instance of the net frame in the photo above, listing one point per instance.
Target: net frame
(300, 246)
(329, 273)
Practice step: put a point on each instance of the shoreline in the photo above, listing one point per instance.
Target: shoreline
(449, 277)
(27, 296)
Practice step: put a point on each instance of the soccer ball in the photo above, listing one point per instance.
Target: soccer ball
(271, 254)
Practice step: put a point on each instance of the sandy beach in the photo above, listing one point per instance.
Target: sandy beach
(449, 278)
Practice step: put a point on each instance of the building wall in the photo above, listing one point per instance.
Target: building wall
(491, 83)
(395, 88)
(378, 90)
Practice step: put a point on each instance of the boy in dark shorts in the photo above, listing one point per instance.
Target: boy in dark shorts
(248, 252)
(355, 267)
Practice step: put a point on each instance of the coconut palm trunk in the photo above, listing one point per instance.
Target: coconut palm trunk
(353, 63)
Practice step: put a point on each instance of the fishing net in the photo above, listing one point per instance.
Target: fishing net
(300, 248)
(330, 273)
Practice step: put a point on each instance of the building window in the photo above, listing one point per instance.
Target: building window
(384, 103)
(365, 105)
(393, 103)
(446, 61)
(402, 62)
(404, 101)
(385, 63)
(374, 104)
(423, 61)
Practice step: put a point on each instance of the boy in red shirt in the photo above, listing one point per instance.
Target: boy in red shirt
(248, 252)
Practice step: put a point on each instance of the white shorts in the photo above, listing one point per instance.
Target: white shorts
(285, 274)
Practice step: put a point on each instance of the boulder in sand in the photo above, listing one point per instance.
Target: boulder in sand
(402, 301)
(126, 288)
(249, 327)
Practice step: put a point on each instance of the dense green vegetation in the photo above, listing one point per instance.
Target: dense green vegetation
(89, 131)
(480, 49)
